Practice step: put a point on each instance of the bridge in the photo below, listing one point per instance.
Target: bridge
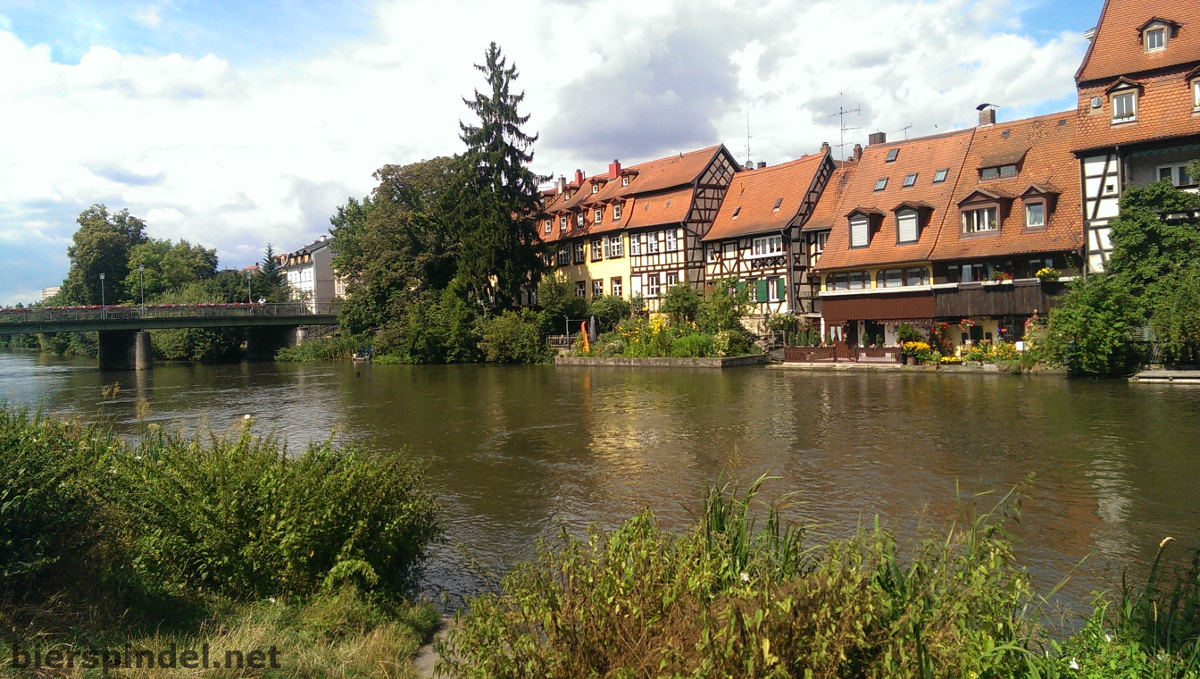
(125, 342)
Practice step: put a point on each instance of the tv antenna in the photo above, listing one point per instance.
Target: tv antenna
(906, 129)
(748, 135)
(841, 116)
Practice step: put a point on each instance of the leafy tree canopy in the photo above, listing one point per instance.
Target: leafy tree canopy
(102, 244)
(168, 266)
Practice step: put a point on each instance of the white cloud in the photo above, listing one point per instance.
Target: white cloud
(234, 157)
(148, 16)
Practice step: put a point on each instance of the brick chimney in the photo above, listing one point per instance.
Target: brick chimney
(614, 169)
(562, 184)
(857, 152)
(761, 164)
(987, 114)
(578, 177)
(825, 147)
(877, 138)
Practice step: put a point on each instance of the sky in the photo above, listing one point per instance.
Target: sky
(238, 123)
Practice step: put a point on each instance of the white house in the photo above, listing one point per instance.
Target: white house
(309, 273)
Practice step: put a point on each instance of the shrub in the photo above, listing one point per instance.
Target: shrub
(1090, 331)
(692, 346)
(556, 296)
(906, 333)
(723, 307)
(681, 303)
(609, 311)
(731, 343)
(514, 337)
(240, 517)
(320, 349)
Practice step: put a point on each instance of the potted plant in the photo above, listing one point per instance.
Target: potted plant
(1048, 275)
(1002, 276)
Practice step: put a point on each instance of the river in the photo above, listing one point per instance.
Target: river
(516, 452)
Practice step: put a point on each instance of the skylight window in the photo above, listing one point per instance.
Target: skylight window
(736, 210)
(910, 180)
(881, 184)
(778, 202)
(891, 156)
(940, 176)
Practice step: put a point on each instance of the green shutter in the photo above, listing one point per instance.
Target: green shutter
(762, 290)
(782, 289)
(741, 287)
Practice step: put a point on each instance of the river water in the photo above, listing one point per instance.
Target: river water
(518, 452)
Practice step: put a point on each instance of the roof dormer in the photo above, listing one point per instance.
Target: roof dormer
(1157, 33)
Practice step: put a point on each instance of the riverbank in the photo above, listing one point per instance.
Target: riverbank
(660, 361)
(964, 368)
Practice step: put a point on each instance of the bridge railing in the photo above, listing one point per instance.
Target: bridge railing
(151, 311)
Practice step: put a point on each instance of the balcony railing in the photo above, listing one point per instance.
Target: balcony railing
(34, 315)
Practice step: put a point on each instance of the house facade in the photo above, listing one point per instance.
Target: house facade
(309, 273)
(634, 232)
(1138, 118)
(756, 236)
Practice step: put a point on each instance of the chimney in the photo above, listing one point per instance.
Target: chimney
(858, 152)
(578, 177)
(761, 164)
(987, 114)
(562, 184)
(614, 169)
(877, 138)
(824, 147)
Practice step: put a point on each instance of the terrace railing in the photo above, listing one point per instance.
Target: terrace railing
(43, 315)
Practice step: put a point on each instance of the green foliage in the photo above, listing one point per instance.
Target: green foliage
(496, 203)
(268, 281)
(1090, 331)
(168, 267)
(320, 349)
(681, 303)
(202, 344)
(1145, 248)
(514, 337)
(609, 310)
(723, 307)
(437, 328)
(101, 245)
(693, 346)
(557, 298)
(907, 333)
(1175, 316)
(731, 343)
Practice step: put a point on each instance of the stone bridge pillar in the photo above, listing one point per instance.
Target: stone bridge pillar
(263, 342)
(125, 350)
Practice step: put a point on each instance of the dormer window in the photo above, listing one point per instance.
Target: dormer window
(562, 223)
(579, 220)
(979, 220)
(595, 187)
(566, 195)
(1124, 107)
(907, 223)
(1035, 215)
(860, 231)
(616, 213)
(625, 180)
(548, 222)
(1156, 39)
(599, 215)
(736, 210)
(1196, 94)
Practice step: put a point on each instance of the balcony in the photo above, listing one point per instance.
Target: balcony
(1022, 297)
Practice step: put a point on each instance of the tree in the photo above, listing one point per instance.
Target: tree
(168, 267)
(1175, 317)
(267, 281)
(723, 307)
(559, 304)
(1091, 329)
(496, 204)
(1146, 249)
(102, 244)
(681, 303)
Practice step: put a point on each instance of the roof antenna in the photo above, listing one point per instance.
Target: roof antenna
(841, 116)
(906, 129)
(748, 136)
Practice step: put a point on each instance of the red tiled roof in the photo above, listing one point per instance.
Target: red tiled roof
(829, 206)
(767, 199)
(924, 156)
(1117, 48)
(671, 207)
(1048, 166)
(1164, 109)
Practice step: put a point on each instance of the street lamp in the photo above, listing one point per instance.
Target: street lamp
(142, 285)
(249, 289)
(102, 294)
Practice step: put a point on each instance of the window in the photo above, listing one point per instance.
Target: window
(891, 156)
(1177, 174)
(982, 219)
(890, 278)
(672, 280)
(562, 223)
(652, 285)
(598, 249)
(607, 248)
(1035, 215)
(729, 251)
(672, 242)
(615, 286)
(854, 280)
(973, 272)
(940, 176)
(1156, 39)
(711, 253)
(1001, 171)
(906, 227)
(778, 202)
(768, 246)
(775, 290)
(916, 276)
(615, 247)
(564, 256)
(599, 215)
(859, 232)
(1196, 93)
(635, 244)
(1097, 102)
(580, 289)
(881, 184)
(1124, 107)
(579, 252)
(736, 210)
(548, 223)
(595, 187)
(816, 245)
(635, 289)
(616, 213)
(579, 220)
(910, 180)
(625, 180)
(651, 243)
(598, 287)
(752, 288)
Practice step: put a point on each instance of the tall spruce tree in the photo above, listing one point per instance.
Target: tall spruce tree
(267, 281)
(497, 205)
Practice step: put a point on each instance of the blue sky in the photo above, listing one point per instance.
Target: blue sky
(235, 124)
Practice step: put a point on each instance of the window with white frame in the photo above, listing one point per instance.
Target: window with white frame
(597, 249)
(617, 212)
(906, 227)
(595, 187)
(979, 220)
(598, 287)
(615, 246)
(752, 289)
(562, 223)
(652, 287)
(767, 246)
(580, 289)
(635, 244)
(672, 242)
(651, 243)
(579, 220)
(1035, 215)
(1124, 107)
(615, 286)
(672, 279)
(548, 227)
(774, 287)
(579, 252)
(607, 248)
(1177, 174)
(635, 286)
(1156, 39)
(564, 256)
(711, 253)
(860, 228)
(625, 180)
(1196, 94)
(599, 215)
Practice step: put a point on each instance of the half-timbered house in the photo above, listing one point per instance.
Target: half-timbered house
(1139, 107)
(814, 234)
(755, 238)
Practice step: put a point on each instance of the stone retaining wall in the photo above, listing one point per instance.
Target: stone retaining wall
(660, 362)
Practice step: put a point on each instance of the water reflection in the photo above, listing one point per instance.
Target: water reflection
(521, 451)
